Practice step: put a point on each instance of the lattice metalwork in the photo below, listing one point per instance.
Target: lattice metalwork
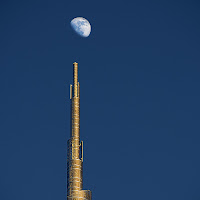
(75, 147)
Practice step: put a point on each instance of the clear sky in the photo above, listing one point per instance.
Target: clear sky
(140, 102)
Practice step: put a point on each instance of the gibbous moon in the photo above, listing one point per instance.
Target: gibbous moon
(81, 26)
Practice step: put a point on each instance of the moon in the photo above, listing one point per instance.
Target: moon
(81, 26)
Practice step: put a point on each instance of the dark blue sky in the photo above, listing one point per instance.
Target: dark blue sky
(140, 102)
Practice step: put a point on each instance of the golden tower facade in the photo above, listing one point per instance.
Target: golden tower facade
(75, 147)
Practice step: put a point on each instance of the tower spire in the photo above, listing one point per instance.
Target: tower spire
(75, 147)
(75, 76)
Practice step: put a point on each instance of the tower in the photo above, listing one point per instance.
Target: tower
(75, 147)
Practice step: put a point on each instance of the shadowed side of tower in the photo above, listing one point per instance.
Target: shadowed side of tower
(75, 147)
